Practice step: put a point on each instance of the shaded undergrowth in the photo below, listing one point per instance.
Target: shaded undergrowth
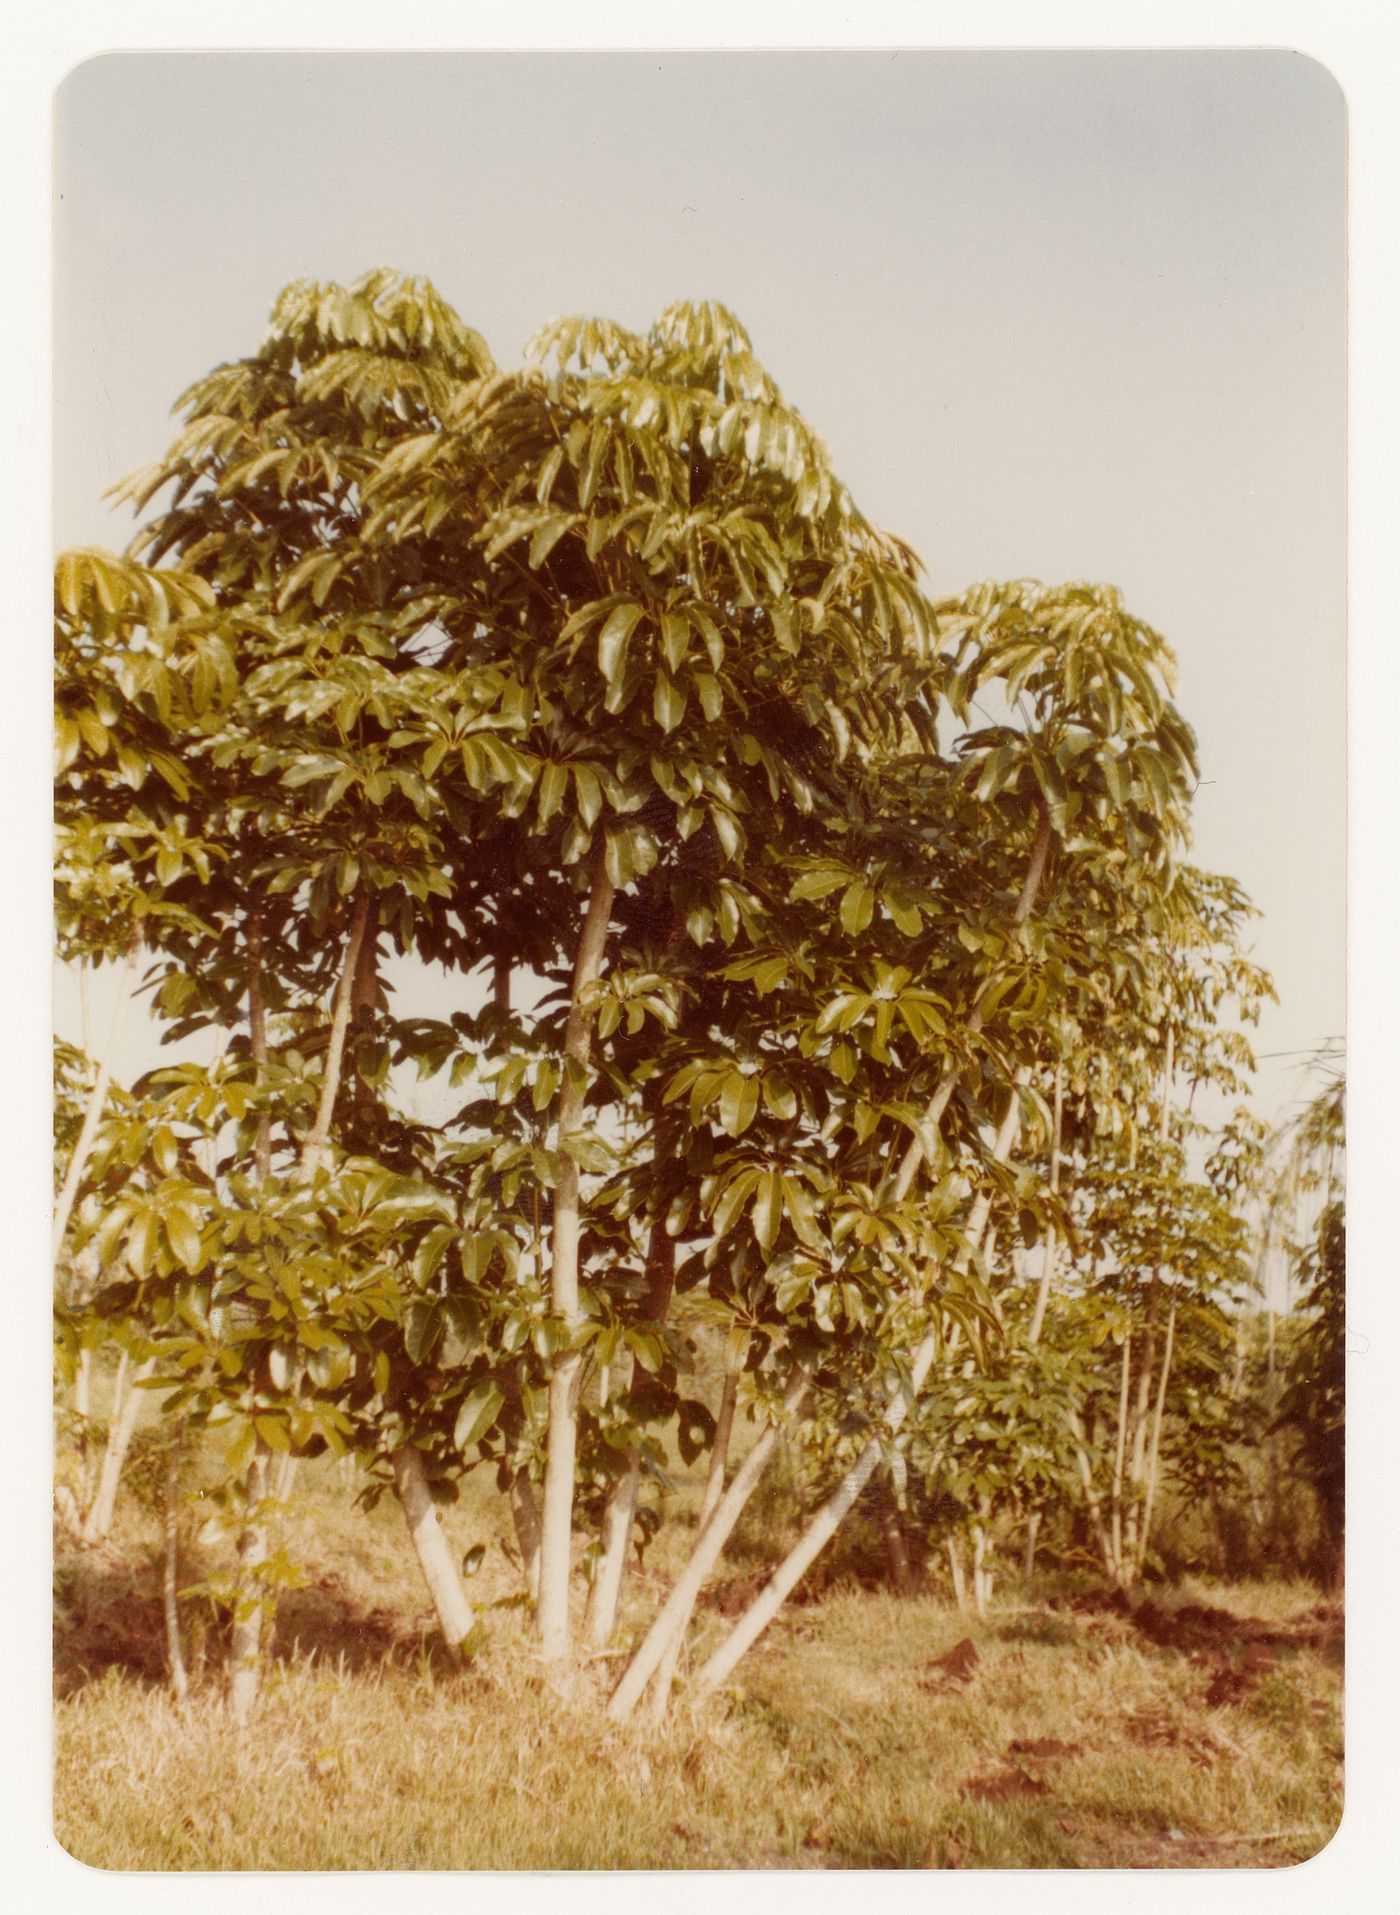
(1196, 1727)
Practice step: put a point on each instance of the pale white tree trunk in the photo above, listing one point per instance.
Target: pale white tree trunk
(126, 1407)
(314, 1147)
(1032, 1537)
(606, 1592)
(250, 1598)
(1047, 1277)
(284, 1477)
(1116, 1504)
(97, 1098)
(456, 1617)
(734, 1359)
(959, 1574)
(675, 1611)
(257, 1045)
(1047, 1268)
(662, 1683)
(85, 1274)
(1092, 1500)
(556, 1527)
(170, 1580)
(245, 1639)
(82, 1388)
(1136, 1470)
(605, 1595)
(1150, 1461)
(1155, 1448)
(982, 1575)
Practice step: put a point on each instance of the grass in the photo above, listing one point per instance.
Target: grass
(838, 1744)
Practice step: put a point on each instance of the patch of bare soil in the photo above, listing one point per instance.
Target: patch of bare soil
(1199, 1631)
(959, 1665)
(1160, 1729)
(1232, 1682)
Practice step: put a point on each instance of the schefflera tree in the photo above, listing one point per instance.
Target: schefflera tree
(406, 685)
(706, 628)
(135, 669)
(188, 1234)
(1093, 751)
(1161, 990)
(329, 835)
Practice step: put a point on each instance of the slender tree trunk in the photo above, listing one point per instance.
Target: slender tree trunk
(82, 1410)
(85, 1275)
(97, 1098)
(1155, 1449)
(364, 990)
(1136, 1539)
(1092, 1500)
(126, 1407)
(897, 1563)
(250, 1600)
(82, 1391)
(245, 1639)
(606, 1593)
(314, 1147)
(662, 1683)
(981, 1581)
(500, 983)
(605, 1590)
(1032, 1538)
(959, 1574)
(257, 1045)
(552, 1612)
(525, 1513)
(170, 1580)
(1136, 1470)
(284, 1476)
(456, 1617)
(734, 1360)
(675, 1611)
(1047, 1268)
(1116, 1505)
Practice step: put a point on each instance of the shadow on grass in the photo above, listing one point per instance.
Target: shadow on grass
(109, 1614)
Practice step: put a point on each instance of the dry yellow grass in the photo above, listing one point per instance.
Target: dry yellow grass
(838, 1745)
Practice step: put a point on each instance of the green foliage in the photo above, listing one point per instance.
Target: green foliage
(417, 645)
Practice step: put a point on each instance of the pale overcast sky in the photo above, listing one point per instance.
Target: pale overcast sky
(1060, 315)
